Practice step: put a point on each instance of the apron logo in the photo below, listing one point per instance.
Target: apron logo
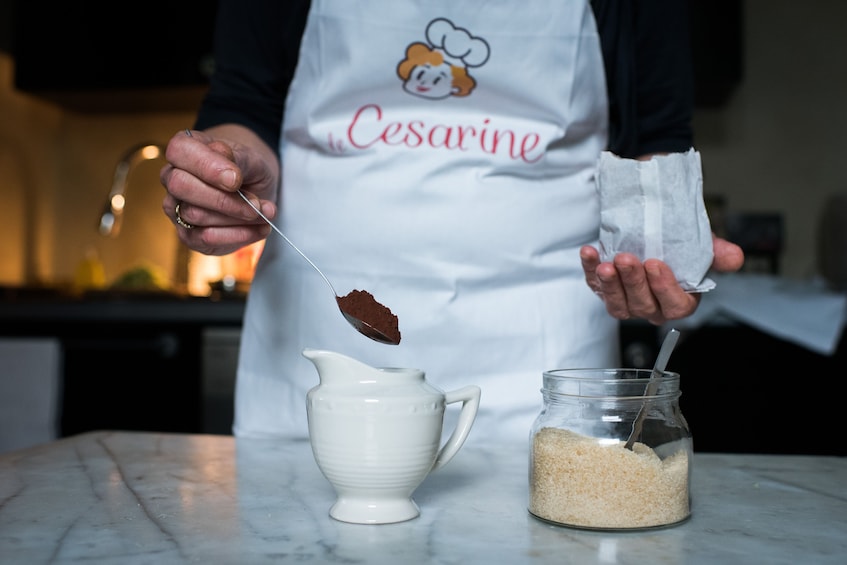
(439, 68)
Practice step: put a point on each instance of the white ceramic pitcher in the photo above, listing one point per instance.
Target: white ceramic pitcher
(376, 434)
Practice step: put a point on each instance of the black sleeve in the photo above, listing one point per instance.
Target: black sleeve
(255, 51)
(647, 58)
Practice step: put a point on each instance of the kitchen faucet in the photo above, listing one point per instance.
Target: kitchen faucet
(110, 220)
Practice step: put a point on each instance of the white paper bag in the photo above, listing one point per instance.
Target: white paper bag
(655, 209)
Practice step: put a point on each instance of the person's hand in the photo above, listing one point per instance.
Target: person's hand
(203, 174)
(631, 289)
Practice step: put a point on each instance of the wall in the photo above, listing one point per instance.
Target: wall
(56, 170)
(778, 145)
(775, 147)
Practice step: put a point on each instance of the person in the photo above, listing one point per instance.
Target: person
(442, 157)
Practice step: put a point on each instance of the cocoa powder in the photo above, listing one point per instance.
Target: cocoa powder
(361, 305)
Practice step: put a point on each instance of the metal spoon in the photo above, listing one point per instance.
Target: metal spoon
(658, 368)
(361, 326)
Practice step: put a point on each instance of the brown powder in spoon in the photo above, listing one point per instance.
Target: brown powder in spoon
(362, 305)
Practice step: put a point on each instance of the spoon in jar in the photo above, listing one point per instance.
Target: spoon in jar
(658, 368)
(355, 304)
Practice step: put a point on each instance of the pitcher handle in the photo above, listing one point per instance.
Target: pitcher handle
(469, 396)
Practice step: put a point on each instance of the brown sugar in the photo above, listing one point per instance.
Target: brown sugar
(361, 304)
(577, 481)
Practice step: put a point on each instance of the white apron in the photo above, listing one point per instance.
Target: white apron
(440, 155)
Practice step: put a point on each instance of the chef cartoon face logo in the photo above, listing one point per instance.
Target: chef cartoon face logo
(439, 68)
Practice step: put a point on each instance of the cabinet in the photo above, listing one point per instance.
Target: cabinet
(136, 364)
(221, 345)
(93, 56)
(127, 375)
(744, 391)
(29, 391)
(143, 377)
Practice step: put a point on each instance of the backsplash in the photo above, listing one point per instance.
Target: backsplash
(57, 168)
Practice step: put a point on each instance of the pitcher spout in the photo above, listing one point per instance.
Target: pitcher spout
(332, 366)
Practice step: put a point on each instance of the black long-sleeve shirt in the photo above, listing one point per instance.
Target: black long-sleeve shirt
(646, 53)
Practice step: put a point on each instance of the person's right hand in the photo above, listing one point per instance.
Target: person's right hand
(204, 172)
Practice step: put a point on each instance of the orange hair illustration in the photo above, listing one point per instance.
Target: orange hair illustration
(420, 54)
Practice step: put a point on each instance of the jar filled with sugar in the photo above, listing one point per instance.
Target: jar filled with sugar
(592, 467)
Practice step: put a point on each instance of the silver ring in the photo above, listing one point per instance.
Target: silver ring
(179, 220)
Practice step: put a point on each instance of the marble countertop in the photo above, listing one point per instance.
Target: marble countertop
(132, 498)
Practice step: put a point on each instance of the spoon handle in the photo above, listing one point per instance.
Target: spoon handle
(661, 362)
(288, 241)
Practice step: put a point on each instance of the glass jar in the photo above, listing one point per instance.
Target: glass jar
(581, 472)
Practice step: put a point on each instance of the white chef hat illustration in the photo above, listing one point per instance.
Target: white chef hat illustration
(456, 44)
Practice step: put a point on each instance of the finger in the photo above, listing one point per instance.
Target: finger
(611, 291)
(602, 278)
(197, 241)
(590, 259)
(640, 301)
(222, 148)
(211, 216)
(227, 239)
(223, 203)
(672, 301)
(211, 239)
(169, 207)
(207, 205)
(206, 159)
(219, 240)
(729, 257)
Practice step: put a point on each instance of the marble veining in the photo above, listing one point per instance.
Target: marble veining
(138, 498)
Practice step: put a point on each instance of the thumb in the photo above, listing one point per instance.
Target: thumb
(729, 257)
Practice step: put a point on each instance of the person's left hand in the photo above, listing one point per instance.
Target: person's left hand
(649, 290)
